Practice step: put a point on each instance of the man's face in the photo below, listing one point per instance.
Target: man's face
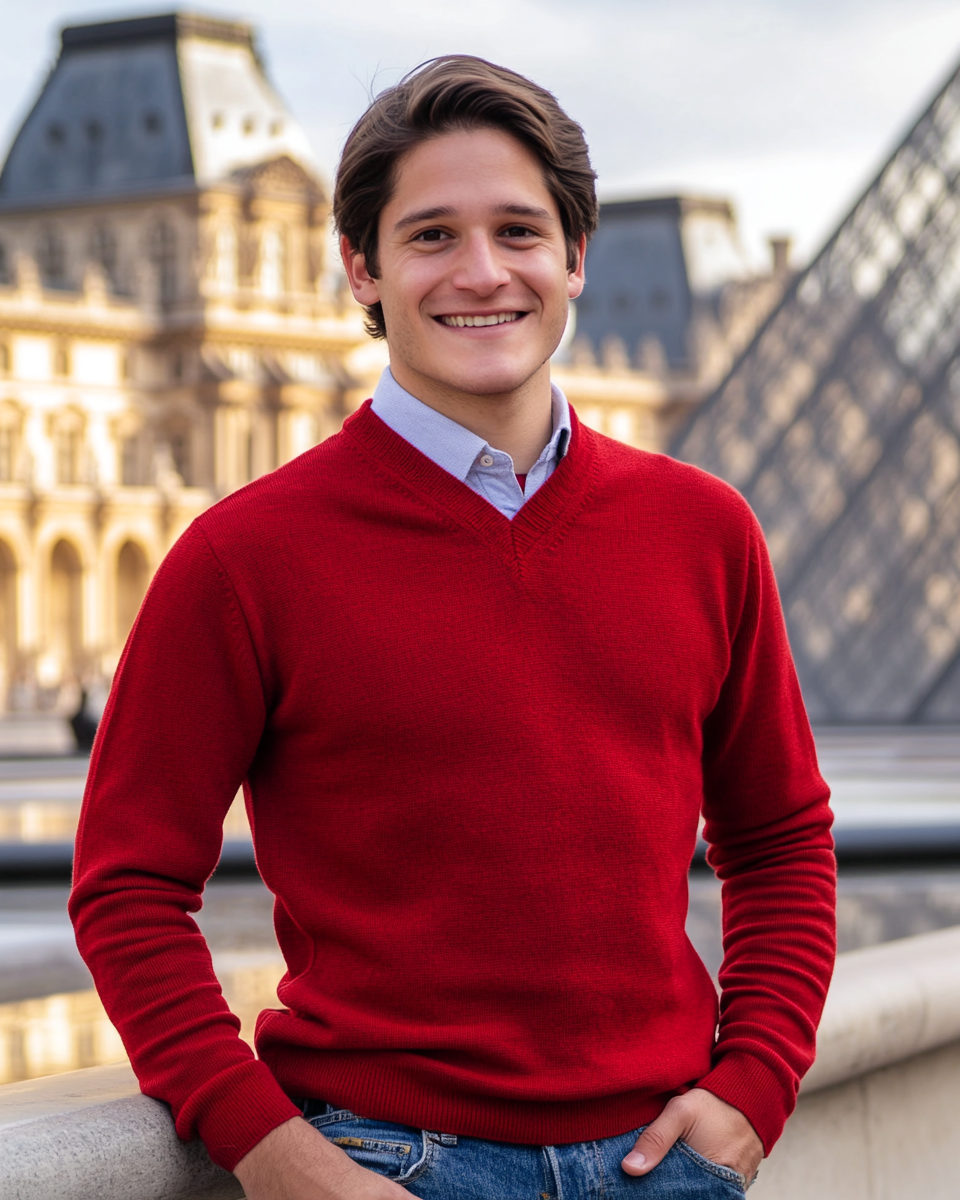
(473, 274)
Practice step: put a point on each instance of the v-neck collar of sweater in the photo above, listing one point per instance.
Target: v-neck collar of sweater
(549, 510)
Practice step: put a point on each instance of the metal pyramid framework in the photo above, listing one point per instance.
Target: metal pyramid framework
(841, 426)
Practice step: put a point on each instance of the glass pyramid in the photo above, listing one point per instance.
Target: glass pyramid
(841, 425)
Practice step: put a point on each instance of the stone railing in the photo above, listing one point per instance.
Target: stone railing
(877, 1116)
(879, 1111)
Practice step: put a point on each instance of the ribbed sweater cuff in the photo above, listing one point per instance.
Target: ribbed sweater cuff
(237, 1110)
(750, 1086)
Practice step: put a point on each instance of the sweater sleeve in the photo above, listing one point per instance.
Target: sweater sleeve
(180, 729)
(767, 824)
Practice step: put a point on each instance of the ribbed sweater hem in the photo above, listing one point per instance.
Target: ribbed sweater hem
(380, 1091)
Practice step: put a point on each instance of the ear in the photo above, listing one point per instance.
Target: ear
(362, 283)
(577, 277)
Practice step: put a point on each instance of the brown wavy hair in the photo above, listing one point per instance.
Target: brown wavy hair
(454, 93)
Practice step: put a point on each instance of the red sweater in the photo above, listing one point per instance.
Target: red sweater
(474, 753)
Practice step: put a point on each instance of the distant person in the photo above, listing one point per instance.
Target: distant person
(480, 670)
(84, 723)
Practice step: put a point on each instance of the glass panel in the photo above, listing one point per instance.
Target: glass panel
(841, 426)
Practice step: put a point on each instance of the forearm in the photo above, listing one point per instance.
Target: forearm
(154, 973)
(181, 728)
(779, 928)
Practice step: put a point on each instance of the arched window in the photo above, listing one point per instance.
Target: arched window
(66, 609)
(133, 575)
(163, 255)
(8, 621)
(51, 257)
(272, 263)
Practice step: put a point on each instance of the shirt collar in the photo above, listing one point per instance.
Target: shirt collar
(442, 440)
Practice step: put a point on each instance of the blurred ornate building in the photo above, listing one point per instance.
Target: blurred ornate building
(841, 426)
(671, 300)
(169, 326)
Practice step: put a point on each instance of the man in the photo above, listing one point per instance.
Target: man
(480, 670)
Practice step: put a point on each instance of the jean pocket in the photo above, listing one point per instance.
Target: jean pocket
(727, 1174)
(397, 1152)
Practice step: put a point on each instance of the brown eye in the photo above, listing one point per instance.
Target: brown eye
(430, 235)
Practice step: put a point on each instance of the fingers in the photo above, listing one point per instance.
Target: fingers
(656, 1140)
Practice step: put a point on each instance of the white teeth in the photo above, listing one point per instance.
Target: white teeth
(472, 322)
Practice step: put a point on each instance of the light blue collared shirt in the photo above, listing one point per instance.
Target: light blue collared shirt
(463, 454)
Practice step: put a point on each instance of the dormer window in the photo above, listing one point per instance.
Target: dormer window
(153, 122)
(276, 128)
(249, 125)
(218, 120)
(163, 255)
(103, 251)
(94, 131)
(51, 257)
(56, 134)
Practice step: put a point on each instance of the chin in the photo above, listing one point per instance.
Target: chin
(478, 381)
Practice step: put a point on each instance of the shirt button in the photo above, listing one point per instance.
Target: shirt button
(486, 460)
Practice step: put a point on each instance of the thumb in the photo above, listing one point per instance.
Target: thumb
(654, 1142)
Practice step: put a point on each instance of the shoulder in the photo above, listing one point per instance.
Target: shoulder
(295, 491)
(668, 487)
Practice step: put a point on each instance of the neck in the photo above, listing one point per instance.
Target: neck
(518, 422)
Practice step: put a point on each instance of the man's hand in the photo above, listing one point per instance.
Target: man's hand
(709, 1125)
(295, 1162)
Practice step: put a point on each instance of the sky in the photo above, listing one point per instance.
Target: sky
(787, 107)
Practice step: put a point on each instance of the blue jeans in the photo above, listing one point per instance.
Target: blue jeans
(441, 1166)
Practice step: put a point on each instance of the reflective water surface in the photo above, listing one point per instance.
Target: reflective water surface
(70, 1030)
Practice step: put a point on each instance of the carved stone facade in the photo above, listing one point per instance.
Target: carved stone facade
(162, 342)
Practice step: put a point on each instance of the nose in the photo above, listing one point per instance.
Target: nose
(479, 268)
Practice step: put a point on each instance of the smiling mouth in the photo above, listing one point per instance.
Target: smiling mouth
(471, 322)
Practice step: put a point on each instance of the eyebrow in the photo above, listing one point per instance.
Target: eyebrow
(444, 210)
(425, 214)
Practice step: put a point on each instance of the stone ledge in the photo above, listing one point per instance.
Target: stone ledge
(886, 1004)
(90, 1135)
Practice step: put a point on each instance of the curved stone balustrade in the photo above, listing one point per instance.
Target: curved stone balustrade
(90, 1135)
(888, 1003)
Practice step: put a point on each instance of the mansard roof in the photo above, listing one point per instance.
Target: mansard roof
(648, 262)
(148, 104)
(841, 426)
